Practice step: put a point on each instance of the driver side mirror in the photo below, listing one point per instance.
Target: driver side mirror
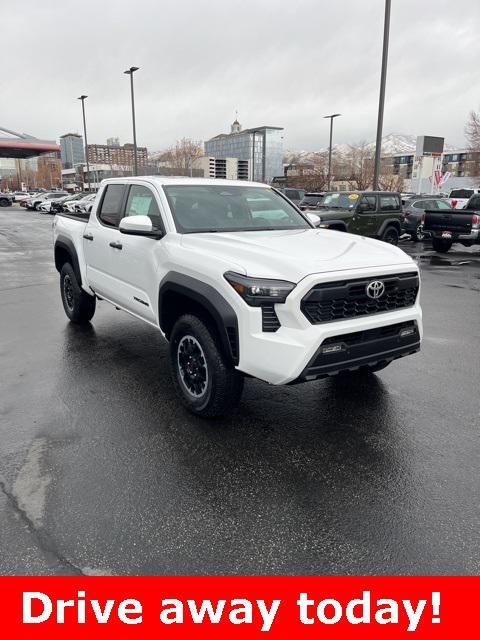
(314, 219)
(363, 206)
(138, 226)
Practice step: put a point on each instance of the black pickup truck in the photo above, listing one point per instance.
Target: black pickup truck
(456, 225)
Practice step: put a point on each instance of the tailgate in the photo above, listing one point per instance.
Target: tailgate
(454, 221)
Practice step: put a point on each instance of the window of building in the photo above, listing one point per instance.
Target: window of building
(111, 208)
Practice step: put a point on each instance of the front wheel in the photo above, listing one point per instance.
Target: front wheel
(390, 235)
(441, 245)
(205, 382)
(78, 304)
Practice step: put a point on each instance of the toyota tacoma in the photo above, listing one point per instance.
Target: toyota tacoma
(240, 282)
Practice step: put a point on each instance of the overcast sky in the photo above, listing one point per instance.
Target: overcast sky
(278, 63)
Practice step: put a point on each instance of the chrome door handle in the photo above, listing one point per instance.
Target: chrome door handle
(88, 236)
(116, 245)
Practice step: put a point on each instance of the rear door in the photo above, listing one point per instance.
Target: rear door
(101, 239)
(389, 207)
(133, 267)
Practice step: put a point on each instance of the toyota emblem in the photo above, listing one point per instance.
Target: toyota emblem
(375, 289)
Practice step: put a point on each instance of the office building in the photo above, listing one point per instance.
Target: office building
(71, 150)
(261, 146)
(120, 156)
(113, 142)
(227, 168)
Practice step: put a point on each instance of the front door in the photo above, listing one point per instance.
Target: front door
(364, 220)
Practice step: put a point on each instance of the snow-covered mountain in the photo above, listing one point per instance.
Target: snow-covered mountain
(393, 143)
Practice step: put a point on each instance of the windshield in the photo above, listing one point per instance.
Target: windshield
(312, 199)
(342, 200)
(461, 193)
(204, 208)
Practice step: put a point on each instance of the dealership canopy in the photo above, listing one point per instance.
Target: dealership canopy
(21, 145)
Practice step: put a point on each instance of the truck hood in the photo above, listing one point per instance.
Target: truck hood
(294, 254)
(335, 214)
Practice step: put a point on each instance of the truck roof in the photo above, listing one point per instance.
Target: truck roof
(176, 180)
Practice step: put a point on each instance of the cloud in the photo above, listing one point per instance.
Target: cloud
(277, 62)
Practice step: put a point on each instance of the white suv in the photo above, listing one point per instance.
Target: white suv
(240, 282)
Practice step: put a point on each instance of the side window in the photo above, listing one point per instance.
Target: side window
(141, 202)
(419, 204)
(369, 203)
(441, 204)
(389, 203)
(111, 209)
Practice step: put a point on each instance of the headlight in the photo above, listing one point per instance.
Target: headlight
(259, 291)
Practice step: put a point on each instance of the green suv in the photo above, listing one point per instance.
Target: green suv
(376, 214)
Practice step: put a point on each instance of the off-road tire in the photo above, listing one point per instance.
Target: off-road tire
(441, 245)
(390, 235)
(79, 305)
(220, 386)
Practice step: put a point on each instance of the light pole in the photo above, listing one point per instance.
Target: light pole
(381, 102)
(329, 177)
(82, 98)
(130, 72)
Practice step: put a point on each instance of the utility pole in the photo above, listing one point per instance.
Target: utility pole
(329, 177)
(381, 102)
(82, 98)
(130, 72)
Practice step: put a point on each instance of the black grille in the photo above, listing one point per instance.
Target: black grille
(270, 321)
(233, 340)
(360, 337)
(332, 301)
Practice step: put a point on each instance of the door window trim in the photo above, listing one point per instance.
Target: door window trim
(122, 206)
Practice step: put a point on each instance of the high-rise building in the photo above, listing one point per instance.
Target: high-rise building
(71, 150)
(229, 168)
(113, 142)
(262, 146)
(119, 156)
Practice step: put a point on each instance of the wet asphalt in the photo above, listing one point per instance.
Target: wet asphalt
(103, 472)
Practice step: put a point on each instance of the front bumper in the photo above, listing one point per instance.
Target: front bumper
(286, 355)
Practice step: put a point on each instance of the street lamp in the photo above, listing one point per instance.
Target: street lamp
(381, 101)
(82, 98)
(130, 72)
(334, 115)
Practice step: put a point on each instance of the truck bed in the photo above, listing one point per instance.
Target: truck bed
(80, 217)
(458, 222)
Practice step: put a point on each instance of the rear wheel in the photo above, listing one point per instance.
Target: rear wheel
(78, 304)
(441, 245)
(419, 234)
(205, 382)
(4, 202)
(390, 235)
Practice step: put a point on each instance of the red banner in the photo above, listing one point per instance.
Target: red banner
(230, 607)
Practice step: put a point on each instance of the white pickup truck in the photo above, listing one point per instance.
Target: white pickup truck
(240, 282)
(458, 198)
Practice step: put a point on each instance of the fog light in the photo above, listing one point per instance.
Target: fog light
(332, 348)
(409, 331)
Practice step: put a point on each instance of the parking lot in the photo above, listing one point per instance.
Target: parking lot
(103, 472)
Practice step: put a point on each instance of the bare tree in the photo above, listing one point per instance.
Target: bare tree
(472, 133)
(359, 161)
(390, 182)
(183, 153)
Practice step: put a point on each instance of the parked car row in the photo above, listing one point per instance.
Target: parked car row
(60, 201)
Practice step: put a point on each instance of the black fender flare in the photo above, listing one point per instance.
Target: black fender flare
(211, 300)
(64, 243)
(394, 222)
